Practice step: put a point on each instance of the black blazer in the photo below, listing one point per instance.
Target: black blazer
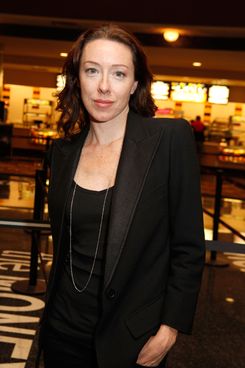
(155, 246)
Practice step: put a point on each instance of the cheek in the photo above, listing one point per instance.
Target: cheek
(126, 95)
(85, 91)
(86, 85)
(125, 92)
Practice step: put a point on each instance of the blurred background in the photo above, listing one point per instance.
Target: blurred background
(196, 52)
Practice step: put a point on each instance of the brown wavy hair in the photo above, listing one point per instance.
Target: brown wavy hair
(73, 113)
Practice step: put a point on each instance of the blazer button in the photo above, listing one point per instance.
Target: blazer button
(111, 293)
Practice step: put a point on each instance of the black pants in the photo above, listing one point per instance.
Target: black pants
(62, 352)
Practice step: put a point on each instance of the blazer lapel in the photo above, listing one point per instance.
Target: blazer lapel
(71, 153)
(138, 150)
(67, 157)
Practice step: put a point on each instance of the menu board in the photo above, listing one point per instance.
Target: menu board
(190, 92)
(193, 92)
(160, 90)
(218, 94)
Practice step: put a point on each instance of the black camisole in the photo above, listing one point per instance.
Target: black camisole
(75, 314)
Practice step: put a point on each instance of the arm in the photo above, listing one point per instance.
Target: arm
(187, 246)
(157, 347)
(187, 249)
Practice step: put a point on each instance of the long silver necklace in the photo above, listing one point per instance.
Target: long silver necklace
(97, 243)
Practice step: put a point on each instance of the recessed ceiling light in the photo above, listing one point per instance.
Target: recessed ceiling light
(229, 300)
(197, 64)
(171, 35)
(63, 54)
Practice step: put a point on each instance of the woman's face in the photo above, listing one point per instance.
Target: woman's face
(106, 79)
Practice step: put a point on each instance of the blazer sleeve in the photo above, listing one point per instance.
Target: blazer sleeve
(187, 245)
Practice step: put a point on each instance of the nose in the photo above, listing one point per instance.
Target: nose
(104, 85)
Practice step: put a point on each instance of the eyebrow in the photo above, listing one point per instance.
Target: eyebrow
(113, 65)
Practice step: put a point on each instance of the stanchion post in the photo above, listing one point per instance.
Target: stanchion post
(33, 285)
(39, 201)
(216, 218)
(217, 206)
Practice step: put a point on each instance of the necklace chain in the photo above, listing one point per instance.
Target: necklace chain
(97, 243)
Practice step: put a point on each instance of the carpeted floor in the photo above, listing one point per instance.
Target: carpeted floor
(219, 329)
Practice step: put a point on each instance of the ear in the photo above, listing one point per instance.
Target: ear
(134, 87)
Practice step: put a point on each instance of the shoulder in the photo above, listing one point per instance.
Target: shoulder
(172, 123)
(168, 125)
(66, 144)
(63, 141)
(61, 146)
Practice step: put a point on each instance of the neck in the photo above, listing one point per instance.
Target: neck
(105, 133)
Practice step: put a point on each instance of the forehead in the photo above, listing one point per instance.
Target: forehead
(109, 51)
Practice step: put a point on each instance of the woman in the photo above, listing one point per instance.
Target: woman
(125, 212)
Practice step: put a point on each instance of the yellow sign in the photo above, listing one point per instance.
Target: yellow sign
(193, 92)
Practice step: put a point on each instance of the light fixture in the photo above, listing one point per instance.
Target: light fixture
(197, 64)
(160, 90)
(229, 300)
(171, 35)
(218, 94)
(60, 82)
(63, 54)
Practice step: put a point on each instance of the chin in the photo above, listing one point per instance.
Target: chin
(102, 118)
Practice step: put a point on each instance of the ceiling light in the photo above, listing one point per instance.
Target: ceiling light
(229, 300)
(63, 54)
(197, 64)
(171, 35)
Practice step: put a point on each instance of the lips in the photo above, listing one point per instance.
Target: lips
(103, 103)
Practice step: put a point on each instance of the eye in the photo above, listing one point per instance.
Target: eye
(91, 71)
(119, 74)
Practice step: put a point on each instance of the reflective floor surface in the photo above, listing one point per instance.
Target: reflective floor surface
(219, 328)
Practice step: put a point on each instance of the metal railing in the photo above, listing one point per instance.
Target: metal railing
(33, 285)
(38, 224)
(220, 174)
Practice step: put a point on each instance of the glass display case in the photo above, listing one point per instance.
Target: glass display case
(232, 130)
(232, 154)
(37, 112)
(40, 136)
(238, 129)
(220, 129)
